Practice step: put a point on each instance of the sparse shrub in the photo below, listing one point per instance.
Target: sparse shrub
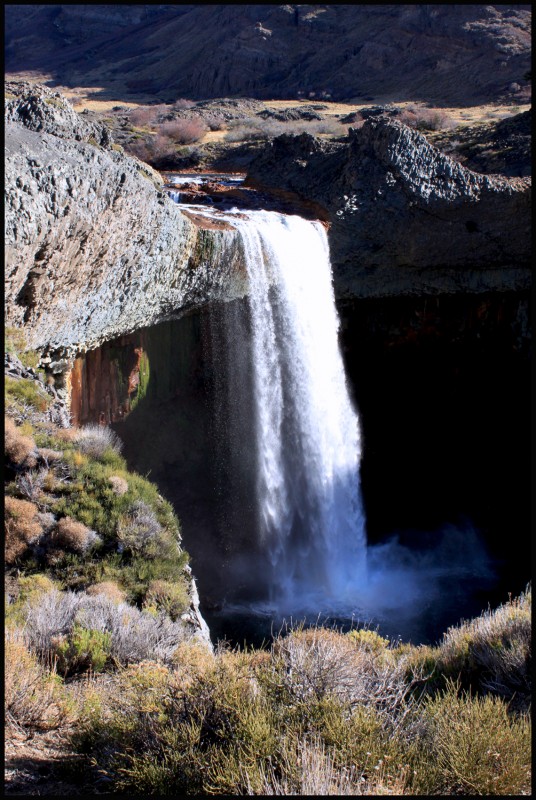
(31, 483)
(491, 653)
(74, 536)
(134, 635)
(473, 746)
(137, 529)
(307, 767)
(152, 151)
(48, 455)
(20, 449)
(320, 663)
(183, 131)
(96, 440)
(34, 699)
(215, 122)
(67, 435)
(22, 528)
(182, 104)
(143, 116)
(426, 119)
(172, 598)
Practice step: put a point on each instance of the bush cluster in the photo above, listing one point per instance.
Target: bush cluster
(426, 119)
(315, 714)
(88, 631)
(86, 519)
(256, 128)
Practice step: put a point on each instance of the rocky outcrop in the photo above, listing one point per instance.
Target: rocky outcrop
(94, 247)
(405, 218)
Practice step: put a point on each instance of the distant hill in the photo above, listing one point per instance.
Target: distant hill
(446, 54)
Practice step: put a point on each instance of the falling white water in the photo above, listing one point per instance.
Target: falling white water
(307, 440)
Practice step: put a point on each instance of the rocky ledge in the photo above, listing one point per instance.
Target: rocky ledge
(405, 218)
(94, 247)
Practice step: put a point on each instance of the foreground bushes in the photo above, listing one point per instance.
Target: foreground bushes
(298, 720)
(318, 713)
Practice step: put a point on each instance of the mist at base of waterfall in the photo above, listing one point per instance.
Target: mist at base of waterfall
(413, 592)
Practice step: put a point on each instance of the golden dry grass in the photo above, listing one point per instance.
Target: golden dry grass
(18, 447)
(71, 535)
(21, 527)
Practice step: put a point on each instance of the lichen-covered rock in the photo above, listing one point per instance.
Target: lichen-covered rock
(94, 248)
(405, 218)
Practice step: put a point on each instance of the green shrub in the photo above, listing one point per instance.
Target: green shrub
(21, 390)
(166, 596)
(368, 640)
(473, 746)
(82, 649)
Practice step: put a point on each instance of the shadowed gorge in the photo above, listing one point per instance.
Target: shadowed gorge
(442, 387)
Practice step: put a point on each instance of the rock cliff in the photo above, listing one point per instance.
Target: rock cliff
(94, 247)
(405, 218)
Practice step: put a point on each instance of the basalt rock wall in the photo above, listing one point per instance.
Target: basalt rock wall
(405, 218)
(94, 247)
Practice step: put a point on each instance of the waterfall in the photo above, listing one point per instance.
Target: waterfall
(304, 434)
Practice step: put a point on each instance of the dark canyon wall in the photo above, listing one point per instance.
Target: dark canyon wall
(405, 218)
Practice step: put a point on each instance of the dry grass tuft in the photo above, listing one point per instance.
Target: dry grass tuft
(118, 484)
(72, 535)
(33, 696)
(20, 449)
(22, 528)
(109, 589)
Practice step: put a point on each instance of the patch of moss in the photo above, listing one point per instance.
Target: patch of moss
(26, 391)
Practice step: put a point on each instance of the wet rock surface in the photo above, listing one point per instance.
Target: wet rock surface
(405, 218)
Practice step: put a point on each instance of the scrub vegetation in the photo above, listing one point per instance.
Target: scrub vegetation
(319, 712)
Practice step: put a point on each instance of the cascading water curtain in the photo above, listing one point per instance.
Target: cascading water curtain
(306, 433)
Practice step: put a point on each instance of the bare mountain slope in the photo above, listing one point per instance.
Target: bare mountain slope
(458, 54)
